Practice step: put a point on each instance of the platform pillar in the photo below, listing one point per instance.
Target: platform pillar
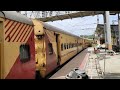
(119, 27)
(108, 30)
(105, 32)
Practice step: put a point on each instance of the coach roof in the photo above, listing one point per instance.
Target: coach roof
(50, 27)
(13, 15)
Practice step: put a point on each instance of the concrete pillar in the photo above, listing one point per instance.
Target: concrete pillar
(108, 29)
(119, 27)
(105, 32)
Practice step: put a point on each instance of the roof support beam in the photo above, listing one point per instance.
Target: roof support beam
(75, 15)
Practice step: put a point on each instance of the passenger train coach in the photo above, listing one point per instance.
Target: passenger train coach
(29, 46)
(53, 47)
(17, 47)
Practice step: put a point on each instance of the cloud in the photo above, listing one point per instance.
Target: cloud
(78, 26)
(81, 26)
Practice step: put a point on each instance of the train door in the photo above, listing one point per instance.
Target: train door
(58, 48)
(83, 44)
(1, 42)
(77, 46)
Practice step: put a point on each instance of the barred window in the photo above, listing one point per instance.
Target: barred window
(69, 45)
(65, 46)
(24, 53)
(50, 48)
(72, 45)
(62, 47)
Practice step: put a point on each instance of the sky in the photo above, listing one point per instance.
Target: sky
(82, 25)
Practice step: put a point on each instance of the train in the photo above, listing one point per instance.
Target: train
(29, 46)
(54, 47)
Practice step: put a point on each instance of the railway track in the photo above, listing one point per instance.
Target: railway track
(57, 69)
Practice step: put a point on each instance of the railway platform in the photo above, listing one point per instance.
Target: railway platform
(111, 66)
(78, 61)
(97, 66)
(103, 65)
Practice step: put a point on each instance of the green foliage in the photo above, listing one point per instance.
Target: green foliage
(87, 36)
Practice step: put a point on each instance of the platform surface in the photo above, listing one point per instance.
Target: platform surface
(107, 68)
(75, 62)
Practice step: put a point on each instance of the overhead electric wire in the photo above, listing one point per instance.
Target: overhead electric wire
(72, 27)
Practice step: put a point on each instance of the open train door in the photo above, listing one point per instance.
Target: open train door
(1, 44)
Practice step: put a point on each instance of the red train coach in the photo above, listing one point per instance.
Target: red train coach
(17, 51)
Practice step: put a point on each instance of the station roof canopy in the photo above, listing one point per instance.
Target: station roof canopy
(75, 15)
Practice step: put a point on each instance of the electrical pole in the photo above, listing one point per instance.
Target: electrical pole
(97, 19)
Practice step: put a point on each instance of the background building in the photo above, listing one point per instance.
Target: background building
(114, 34)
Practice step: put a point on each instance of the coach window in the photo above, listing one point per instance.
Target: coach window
(80, 43)
(24, 53)
(72, 45)
(50, 48)
(69, 45)
(62, 47)
(65, 46)
(75, 44)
